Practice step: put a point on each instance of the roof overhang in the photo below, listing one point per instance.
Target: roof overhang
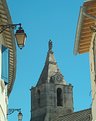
(87, 18)
(9, 41)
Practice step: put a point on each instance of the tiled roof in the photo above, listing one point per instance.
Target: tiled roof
(84, 115)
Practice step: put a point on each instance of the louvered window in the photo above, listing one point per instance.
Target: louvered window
(5, 63)
(38, 98)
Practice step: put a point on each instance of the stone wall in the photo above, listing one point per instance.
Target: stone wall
(93, 74)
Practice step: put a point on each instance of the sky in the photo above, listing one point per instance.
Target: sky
(43, 20)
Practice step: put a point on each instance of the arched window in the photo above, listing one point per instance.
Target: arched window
(59, 97)
(38, 97)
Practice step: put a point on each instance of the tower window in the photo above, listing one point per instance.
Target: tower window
(59, 97)
(38, 97)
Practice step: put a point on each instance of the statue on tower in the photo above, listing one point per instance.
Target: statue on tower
(50, 45)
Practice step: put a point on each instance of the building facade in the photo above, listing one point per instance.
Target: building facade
(7, 60)
(52, 96)
(92, 56)
(86, 42)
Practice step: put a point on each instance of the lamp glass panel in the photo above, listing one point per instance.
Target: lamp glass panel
(20, 37)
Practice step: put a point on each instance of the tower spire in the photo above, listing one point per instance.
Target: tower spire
(50, 68)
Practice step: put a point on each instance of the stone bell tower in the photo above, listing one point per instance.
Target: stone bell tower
(51, 96)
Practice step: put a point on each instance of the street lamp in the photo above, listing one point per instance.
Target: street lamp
(20, 34)
(20, 115)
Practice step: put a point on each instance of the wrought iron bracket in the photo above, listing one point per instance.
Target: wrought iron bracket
(10, 111)
(4, 27)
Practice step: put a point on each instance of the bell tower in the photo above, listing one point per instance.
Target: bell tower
(52, 95)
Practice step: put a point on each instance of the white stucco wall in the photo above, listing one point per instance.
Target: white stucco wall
(3, 94)
(0, 61)
(3, 101)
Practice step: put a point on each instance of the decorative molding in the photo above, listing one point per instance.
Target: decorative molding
(57, 77)
(3, 112)
(2, 85)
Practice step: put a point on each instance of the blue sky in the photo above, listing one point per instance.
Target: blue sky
(43, 20)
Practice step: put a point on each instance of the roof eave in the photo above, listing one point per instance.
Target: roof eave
(10, 42)
(78, 32)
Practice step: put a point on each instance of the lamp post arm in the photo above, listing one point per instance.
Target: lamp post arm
(20, 34)
(10, 111)
(4, 27)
